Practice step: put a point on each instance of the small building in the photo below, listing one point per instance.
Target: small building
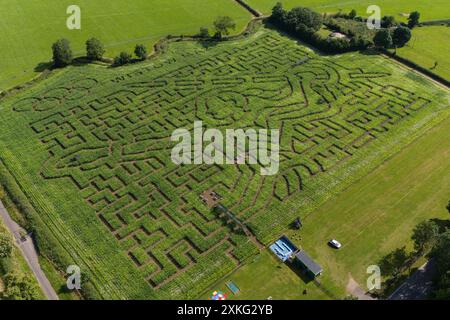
(308, 264)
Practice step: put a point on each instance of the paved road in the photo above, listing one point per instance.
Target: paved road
(29, 252)
(417, 286)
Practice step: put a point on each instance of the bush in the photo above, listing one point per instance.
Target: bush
(122, 59)
(141, 51)
(6, 246)
(19, 287)
(94, 49)
(62, 53)
(204, 32)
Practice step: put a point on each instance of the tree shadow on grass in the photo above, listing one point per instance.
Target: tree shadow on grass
(42, 66)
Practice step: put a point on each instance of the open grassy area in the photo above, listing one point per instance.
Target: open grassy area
(30, 27)
(430, 10)
(428, 45)
(88, 152)
(371, 218)
(265, 277)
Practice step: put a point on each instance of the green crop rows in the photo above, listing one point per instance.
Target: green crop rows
(102, 137)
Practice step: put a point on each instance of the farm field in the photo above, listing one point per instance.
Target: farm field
(89, 148)
(429, 44)
(371, 218)
(30, 27)
(430, 10)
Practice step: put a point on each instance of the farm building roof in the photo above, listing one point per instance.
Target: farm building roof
(309, 263)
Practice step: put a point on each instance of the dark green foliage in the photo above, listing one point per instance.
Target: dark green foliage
(278, 13)
(19, 287)
(62, 53)
(441, 255)
(5, 245)
(383, 38)
(204, 32)
(352, 14)
(223, 26)
(448, 207)
(303, 20)
(413, 19)
(401, 36)
(425, 235)
(140, 51)
(94, 49)
(388, 22)
(122, 59)
(393, 263)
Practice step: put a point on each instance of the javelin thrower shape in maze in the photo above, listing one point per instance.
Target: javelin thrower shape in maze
(112, 139)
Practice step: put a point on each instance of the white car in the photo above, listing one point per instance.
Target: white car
(335, 244)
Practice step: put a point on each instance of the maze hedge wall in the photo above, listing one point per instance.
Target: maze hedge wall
(90, 148)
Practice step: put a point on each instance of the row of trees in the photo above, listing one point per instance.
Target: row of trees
(392, 38)
(63, 56)
(304, 23)
(432, 239)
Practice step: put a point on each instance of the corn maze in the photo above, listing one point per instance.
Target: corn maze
(108, 132)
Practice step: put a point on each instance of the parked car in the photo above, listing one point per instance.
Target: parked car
(335, 244)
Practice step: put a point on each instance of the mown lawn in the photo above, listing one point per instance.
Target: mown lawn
(430, 10)
(371, 218)
(428, 45)
(266, 277)
(30, 27)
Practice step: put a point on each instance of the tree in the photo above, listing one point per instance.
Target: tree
(140, 51)
(413, 19)
(122, 58)
(393, 263)
(304, 19)
(204, 32)
(19, 287)
(223, 25)
(425, 235)
(441, 256)
(62, 53)
(388, 22)
(278, 13)
(383, 38)
(352, 14)
(401, 36)
(94, 49)
(6, 246)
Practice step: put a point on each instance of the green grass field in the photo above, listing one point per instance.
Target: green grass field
(88, 150)
(371, 218)
(430, 10)
(30, 27)
(428, 45)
